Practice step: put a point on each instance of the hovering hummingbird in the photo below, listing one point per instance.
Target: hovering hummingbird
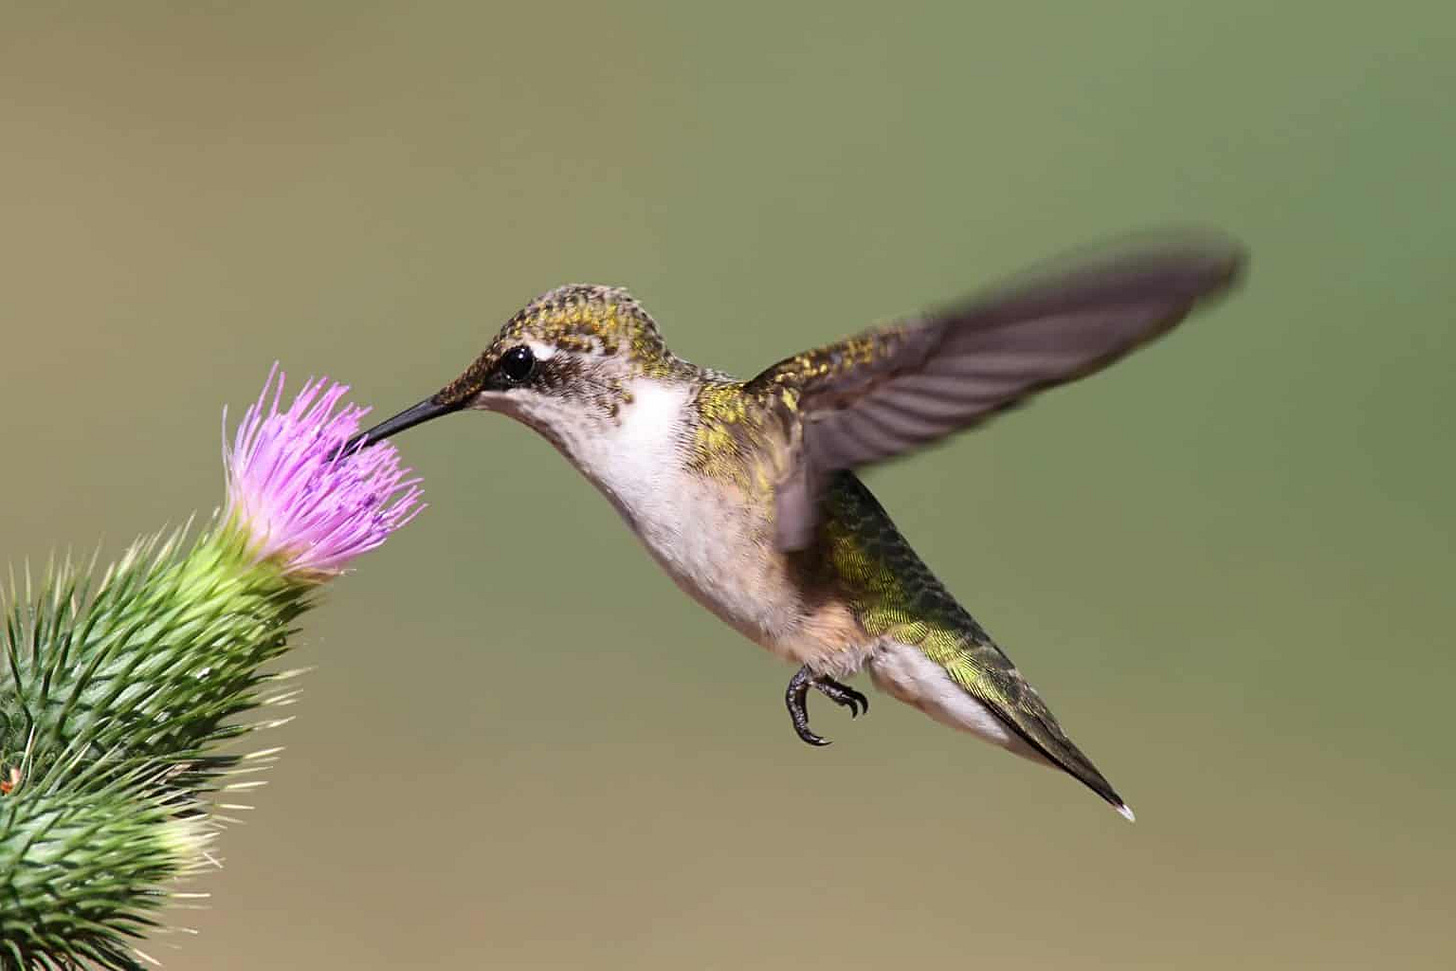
(745, 492)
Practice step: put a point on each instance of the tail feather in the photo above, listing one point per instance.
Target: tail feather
(968, 683)
(988, 675)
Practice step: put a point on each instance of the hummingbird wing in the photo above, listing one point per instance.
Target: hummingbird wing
(894, 388)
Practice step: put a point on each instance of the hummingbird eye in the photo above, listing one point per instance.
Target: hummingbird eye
(517, 364)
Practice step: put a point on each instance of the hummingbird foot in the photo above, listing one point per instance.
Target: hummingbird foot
(842, 695)
(798, 691)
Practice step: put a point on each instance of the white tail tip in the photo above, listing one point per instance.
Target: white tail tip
(1126, 813)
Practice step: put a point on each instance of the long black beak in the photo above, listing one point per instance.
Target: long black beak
(409, 418)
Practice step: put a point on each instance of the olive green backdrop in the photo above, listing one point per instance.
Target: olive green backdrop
(1227, 563)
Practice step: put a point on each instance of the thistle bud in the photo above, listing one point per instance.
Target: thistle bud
(120, 690)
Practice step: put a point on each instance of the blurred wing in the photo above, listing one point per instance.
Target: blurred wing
(889, 390)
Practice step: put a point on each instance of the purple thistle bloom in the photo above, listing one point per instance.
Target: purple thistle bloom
(296, 498)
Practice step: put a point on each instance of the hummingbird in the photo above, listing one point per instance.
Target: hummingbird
(745, 491)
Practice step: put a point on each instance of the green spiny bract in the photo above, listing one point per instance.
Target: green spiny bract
(86, 857)
(111, 725)
(153, 663)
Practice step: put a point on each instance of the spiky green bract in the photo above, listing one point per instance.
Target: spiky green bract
(111, 724)
(82, 867)
(153, 663)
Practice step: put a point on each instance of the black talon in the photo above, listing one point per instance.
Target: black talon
(840, 694)
(843, 694)
(794, 697)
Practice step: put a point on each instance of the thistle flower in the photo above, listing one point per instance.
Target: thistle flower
(121, 691)
(298, 497)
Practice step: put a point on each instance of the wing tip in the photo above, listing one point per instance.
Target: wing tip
(1196, 261)
(1125, 811)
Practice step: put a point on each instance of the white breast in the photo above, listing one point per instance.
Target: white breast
(698, 529)
(637, 458)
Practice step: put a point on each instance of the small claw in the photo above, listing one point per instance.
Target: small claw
(813, 739)
(843, 695)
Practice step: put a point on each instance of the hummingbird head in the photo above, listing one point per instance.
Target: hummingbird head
(563, 364)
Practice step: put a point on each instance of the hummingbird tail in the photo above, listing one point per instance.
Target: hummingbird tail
(968, 684)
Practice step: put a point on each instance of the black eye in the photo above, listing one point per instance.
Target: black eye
(517, 364)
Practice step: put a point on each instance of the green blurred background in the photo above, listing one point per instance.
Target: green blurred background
(1227, 563)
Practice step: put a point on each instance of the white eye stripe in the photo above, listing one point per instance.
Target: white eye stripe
(542, 352)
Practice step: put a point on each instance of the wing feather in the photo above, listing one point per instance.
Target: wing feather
(887, 391)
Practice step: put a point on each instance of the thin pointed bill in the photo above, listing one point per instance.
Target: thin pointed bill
(409, 418)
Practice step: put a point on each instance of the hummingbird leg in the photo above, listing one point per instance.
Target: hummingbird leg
(840, 694)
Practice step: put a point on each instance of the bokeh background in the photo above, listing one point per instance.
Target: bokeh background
(1227, 563)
